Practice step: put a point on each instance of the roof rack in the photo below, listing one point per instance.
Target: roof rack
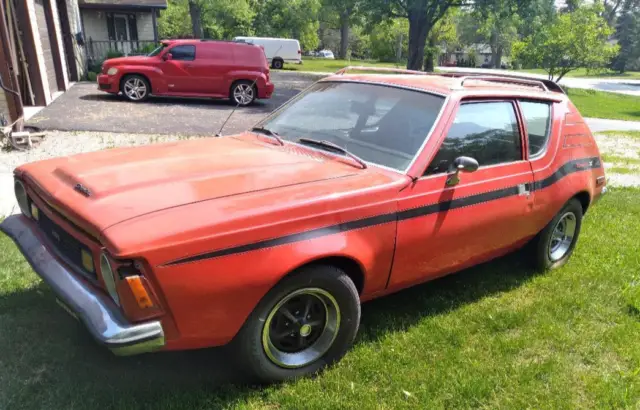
(497, 79)
(381, 69)
(545, 85)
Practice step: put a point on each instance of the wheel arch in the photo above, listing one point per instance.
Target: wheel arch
(350, 266)
(129, 74)
(585, 200)
(244, 80)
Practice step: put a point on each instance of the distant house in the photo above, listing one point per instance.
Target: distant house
(482, 55)
(126, 26)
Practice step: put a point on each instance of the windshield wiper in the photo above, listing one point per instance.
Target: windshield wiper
(269, 133)
(333, 147)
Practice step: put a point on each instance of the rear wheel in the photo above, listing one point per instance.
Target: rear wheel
(243, 93)
(135, 88)
(306, 322)
(554, 245)
(277, 64)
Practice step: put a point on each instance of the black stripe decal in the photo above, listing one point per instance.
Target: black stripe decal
(566, 169)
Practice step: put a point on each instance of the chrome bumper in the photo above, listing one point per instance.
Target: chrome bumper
(96, 310)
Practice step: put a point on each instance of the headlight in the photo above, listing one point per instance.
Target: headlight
(112, 71)
(107, 276)
(21, 197)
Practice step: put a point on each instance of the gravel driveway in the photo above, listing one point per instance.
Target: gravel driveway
(84, 108)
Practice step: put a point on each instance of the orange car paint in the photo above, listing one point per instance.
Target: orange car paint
(216, 223)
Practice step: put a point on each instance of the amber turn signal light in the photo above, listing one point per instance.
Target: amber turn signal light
(139, 292)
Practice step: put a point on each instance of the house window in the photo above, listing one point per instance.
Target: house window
(121, 28)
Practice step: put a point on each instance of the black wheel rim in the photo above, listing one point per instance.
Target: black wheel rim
(301, 327)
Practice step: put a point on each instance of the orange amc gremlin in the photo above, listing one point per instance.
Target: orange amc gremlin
(362, 185)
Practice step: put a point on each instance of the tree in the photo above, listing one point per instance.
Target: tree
(422, 16)
(628, 36)
(175, 21)
(571, 40)
(347, 15)
(196, 22)
(288, 18)
(498, 24)
(443, 35)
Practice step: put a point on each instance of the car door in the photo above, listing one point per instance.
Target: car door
(443, 227)
(180, 70)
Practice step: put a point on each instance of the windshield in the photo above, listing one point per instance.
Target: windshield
(382, 125)
(156, 51)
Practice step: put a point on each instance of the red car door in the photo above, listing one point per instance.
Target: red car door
(180, 71)
(443, 228)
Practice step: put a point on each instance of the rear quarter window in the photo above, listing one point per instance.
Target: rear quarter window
(537, 118)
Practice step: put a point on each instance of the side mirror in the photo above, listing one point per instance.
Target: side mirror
(167, 56)
(461, 164)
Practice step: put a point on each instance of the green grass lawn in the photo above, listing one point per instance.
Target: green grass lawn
(582, 72)
(331, 66)
(602, 104)
(496, 336)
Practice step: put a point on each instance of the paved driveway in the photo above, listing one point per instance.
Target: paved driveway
(84, 108)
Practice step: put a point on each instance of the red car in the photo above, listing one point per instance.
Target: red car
(358, 187)
(191, 68)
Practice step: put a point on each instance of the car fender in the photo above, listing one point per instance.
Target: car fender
(153, 74)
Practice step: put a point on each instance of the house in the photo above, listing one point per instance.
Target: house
(124, 26)
(46, 45)
(476, 54)
(41, 53)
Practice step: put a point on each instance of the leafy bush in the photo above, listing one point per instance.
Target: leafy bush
(91, 76)
(96, 66)
(114, 54)
(148, 48)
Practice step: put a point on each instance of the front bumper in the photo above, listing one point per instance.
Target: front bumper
(96, 310)
(108, 83)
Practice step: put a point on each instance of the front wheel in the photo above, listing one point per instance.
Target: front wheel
(554, 245)
(135, 88)
(305, 323)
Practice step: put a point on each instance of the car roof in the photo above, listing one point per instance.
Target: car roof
(467, 85)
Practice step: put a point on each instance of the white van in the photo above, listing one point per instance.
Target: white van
(277, 50)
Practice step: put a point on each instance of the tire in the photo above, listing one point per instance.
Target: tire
(268, 357)
(277, 64)
(135, 88)
(554, 245)
(243, 93)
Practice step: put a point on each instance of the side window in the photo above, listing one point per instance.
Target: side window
(485, 131)
(537, 116)
(184, 53)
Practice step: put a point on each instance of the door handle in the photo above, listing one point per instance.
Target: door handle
(524, 189)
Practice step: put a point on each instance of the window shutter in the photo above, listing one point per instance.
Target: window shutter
(111, 27)
(133, 27)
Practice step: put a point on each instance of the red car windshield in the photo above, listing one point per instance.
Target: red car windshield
(382, 125)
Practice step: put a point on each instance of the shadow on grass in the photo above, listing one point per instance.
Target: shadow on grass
(75, 371)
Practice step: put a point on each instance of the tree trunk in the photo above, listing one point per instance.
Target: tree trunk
(499, 57)
(418, 31)
(430, 55)
(196, 23)
(344, 34)
(493, 44)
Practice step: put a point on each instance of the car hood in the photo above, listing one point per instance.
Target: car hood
(127, 60)
(124, 183)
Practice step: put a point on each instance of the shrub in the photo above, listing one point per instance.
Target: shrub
(91, 76)
(148, 48)
(114, 54)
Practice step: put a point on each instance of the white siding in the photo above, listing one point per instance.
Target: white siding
(95, 25)
(4, 107)
(39, 51)
(75, 22)
(144, 21)
(58, 28)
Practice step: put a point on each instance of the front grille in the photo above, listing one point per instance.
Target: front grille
(65, 245)
(105, 86)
